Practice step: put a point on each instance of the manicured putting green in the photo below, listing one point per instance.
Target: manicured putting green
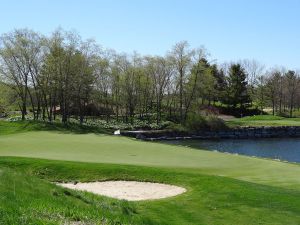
(122, 150)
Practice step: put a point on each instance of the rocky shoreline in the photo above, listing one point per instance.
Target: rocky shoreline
(233, 133)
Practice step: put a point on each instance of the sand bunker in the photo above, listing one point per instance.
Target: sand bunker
(128, 190)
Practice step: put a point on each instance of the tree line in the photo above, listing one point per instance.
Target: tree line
(66, 76)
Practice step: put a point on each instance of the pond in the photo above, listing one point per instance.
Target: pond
(285, 149)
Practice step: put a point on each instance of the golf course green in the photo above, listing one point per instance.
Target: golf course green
(221, 188)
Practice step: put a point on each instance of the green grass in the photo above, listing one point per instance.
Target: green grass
(264, 120)
(122, 150)
(28, 197)
(222, 188)
(7, 127)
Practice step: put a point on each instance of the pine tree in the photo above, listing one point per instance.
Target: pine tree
(237, 87)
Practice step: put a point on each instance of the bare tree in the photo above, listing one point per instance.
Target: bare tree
(254, 71)
(161, 71)
(181, 56)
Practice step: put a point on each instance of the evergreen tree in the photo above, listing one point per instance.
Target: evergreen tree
(220, 83)
(237, 87)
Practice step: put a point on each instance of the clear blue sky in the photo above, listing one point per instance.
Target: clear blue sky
(266, 30)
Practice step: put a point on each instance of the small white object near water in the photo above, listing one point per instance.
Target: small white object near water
(117, 132)
(128, 190)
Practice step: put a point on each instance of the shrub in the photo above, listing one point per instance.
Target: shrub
(196, 123)
(214, 123)
(176, 127)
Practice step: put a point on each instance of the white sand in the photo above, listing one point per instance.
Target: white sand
(128, 190)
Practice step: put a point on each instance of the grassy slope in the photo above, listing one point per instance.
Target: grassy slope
(264, 120)
(209, 200)
(25, 126)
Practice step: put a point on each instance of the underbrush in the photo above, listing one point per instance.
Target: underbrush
(111, 124)
(120, 125)
(196, 122)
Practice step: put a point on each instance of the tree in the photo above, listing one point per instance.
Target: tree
(129, 85)
(273, 92)
(260, 94)
(292, 82)
(63, 75)
(181, 57)
(67, 76)
(254, 71)
(8, 99)
(160, 70)
(206, 80)
(237, 87)
(103, 79)
(21, 57)
(220, 83)
(51, 81)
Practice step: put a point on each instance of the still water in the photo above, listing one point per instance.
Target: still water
(287, 149)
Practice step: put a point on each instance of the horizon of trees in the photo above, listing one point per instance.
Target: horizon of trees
(67, 76)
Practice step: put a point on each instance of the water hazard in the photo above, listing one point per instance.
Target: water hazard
(285, 149)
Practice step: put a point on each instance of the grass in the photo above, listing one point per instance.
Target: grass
(7, 127)
(28, 197)
(264, 120)
(121, 150)
(222, 188)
